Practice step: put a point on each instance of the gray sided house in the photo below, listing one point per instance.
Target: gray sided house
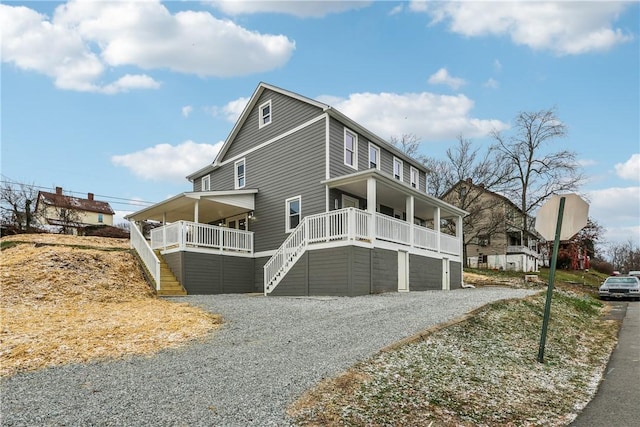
(302, 200)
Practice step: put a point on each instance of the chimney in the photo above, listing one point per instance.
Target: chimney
(59, 191)
(90, 196)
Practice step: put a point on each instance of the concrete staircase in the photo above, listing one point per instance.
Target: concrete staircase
(169, 284)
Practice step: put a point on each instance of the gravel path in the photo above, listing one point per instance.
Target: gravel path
(269, 351)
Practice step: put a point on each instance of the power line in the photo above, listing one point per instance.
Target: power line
(132, 202)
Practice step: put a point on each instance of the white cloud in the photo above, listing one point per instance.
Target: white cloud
(442, 76)
(301, 9)
(165, 162)
(186, 110)
(565, 28)
(629, 169)
(427, 115)
(497, 65)
(397, 9)
(128, 82)
(231, 111)
(492, 84)
(617, 210)
(84, 39)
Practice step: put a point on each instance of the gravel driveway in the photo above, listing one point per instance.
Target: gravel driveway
(268, 352)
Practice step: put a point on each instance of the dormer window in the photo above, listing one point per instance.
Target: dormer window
(265, 114)
(205, 183)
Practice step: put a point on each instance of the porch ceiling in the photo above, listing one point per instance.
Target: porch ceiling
(392, 193)
(212, 206)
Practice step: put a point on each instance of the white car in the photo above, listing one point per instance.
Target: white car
(620, 287)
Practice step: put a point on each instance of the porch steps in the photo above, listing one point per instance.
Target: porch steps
(169, 284)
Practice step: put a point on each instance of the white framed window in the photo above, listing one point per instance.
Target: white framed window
(100, 218)
(350, 148)
(397, 168)
(374, 156)
(205, 183)
(293, 209)
(265, 114)
(415, 177)
(240, 173)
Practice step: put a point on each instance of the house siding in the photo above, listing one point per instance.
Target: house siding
(299, 155)
(424, 273)
(287, 113)
(343, 271)
(455, 274)
(201, 273)
(384, 276)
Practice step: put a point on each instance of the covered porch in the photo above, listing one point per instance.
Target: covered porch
(214, 221)
(426, 219)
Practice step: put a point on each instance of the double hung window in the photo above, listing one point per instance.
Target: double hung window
(293, 209)
(205, 183)
(397, 168)
(374, 157)
(350, 149)
(265, 114)
(415, 176)
(240, 173)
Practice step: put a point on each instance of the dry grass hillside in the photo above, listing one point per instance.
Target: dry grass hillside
(73, 299)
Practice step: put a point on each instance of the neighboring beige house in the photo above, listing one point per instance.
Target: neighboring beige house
(494, 232)
(70, 213)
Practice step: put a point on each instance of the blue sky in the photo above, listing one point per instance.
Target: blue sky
(125, 99)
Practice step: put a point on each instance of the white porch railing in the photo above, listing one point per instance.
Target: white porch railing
(183, 234)
(523, 250)
(351, 224)
(150, 260)
(449, 244)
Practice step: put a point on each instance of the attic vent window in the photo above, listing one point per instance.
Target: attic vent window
(265, 114)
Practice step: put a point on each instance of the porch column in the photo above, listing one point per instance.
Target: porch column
(371, 195)
(164, 230)
(196, 211)
(410, 209)
(459, 235)
(436, 226)
(371, 207)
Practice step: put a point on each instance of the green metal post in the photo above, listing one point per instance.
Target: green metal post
(552, 273)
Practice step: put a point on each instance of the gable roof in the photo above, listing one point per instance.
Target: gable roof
(70, 202)
(483, 189)
(325, 108)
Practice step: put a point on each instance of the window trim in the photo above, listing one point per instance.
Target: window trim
(287, 222)
(401, 163)
(205, 179)
(261, 115)
(415, 184)
(377, 150)
(100, 218)
(355, 148)
(236, 176)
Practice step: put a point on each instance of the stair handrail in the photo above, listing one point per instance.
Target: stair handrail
(285, 256)
(146, 254)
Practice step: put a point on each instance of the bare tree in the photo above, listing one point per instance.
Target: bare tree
(537, 173)
(17, 202)
(625, 256)
(464, 180)
(409, 143)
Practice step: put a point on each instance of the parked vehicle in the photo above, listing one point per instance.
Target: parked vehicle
(635, 273)
(620, 287)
